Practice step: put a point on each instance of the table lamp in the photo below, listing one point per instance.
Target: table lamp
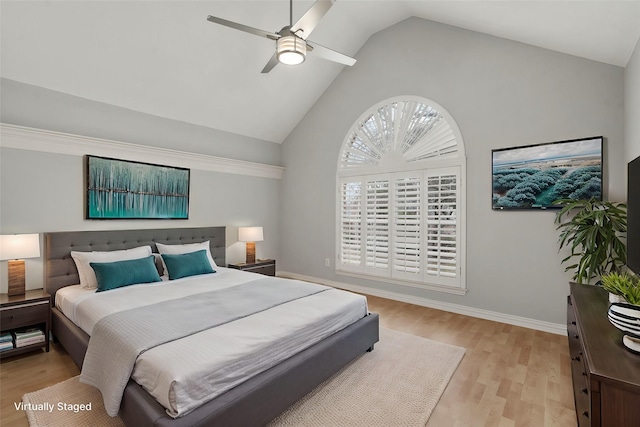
(15, 248)
(251, 235)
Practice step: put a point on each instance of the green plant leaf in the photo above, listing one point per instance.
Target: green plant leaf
(594, 232)
(623, 284)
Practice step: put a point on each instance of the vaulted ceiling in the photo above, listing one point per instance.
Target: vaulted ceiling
(164, 58)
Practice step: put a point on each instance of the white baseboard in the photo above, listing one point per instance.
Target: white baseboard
(510, 319)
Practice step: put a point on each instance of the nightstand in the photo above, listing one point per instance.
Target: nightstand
(261, 266)
(19, 312)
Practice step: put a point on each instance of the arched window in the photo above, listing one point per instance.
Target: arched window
(400, 210)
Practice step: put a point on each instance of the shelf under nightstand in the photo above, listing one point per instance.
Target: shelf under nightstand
(19, 312)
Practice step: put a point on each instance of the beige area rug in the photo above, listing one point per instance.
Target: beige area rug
(398, 384)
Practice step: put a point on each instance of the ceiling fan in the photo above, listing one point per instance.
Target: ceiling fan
(291, 41)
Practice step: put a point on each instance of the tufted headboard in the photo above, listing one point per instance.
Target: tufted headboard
(60, 270)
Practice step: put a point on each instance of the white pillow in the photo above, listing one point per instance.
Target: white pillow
(86, 273)
(185, 249)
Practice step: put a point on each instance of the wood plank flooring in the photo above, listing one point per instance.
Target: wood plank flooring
(30, 372)
(509, 376)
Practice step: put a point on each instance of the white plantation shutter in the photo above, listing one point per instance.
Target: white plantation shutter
(401, 201)
(377, 224)
(442, 231)
(407, 225)
(415, 130)
(351, 223)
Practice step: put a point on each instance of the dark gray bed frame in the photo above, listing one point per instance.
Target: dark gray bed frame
(252, 403)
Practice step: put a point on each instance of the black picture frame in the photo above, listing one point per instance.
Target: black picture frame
(125, 189)
(534, 176)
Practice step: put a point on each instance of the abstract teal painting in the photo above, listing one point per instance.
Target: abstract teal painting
(122, 189)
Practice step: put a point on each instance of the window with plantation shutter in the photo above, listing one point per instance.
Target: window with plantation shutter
(400, 213)
(377, 228)
(407, 224)
(441, 221)
(351, 223)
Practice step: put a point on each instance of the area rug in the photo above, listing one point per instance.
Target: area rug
(398, 384)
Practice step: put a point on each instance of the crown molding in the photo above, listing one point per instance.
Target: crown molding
(495, 316)
(26, 138)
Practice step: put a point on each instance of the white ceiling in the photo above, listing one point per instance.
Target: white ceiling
(164, 58)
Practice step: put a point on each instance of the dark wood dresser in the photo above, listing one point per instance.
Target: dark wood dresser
(606, 376)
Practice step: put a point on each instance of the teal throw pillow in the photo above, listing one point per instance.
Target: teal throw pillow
(189, 264)
(112, 275)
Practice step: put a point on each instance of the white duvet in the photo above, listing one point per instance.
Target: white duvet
(183, 374)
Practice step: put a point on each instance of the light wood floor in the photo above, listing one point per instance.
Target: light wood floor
(509, 376)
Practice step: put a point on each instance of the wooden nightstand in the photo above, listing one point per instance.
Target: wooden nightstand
(20, 312)
(261, 266)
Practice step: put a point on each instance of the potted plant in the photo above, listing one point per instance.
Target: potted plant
(625, 315)
(595, 235)
(623, 285)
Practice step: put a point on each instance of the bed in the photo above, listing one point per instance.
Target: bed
(253, 402)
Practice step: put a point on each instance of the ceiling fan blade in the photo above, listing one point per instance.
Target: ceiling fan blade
(331, 55)
(311, 17)
(272, 63)
(245, 28)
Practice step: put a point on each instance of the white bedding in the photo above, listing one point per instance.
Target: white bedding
(180, 378)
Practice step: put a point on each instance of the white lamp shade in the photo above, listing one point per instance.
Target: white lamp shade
(250, 234)
(19, 246)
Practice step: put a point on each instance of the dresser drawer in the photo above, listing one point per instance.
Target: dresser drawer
(581, 392)
(580, 379)
(579, 371)
(267, 270)
(24, 315)
(266, 267)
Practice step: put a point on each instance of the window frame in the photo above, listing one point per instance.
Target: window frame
(423, 168)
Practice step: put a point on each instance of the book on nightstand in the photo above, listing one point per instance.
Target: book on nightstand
(29, 333)
(28, 337)
(6, 341)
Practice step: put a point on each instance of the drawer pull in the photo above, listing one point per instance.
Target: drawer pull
(586, 414)
(573, 323)
(585, 391)
(576, 358)
(584, 374)
(576, 337)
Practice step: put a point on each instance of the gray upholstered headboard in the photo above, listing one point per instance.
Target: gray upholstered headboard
(60, 270)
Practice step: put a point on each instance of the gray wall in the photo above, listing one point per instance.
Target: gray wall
(632, 106)
(501, 93)
(43, 192)
(36, 107)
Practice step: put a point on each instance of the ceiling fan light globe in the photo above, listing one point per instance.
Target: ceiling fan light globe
(290, 58)
(291, 50)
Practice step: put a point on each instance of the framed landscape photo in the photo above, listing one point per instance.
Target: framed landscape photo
(534, 176)
(122, 189)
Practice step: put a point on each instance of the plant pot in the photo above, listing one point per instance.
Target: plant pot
(626, 317)
(616, 298)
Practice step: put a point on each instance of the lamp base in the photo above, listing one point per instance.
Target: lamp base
(251, 253)
(16, 277)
